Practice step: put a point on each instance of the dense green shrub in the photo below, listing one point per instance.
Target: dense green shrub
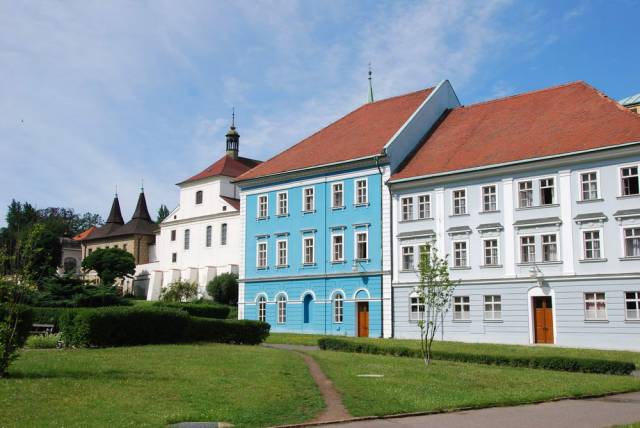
(110, 264)
(120, 326)
(585, 365)
(205, 310)
(15, 324)
(68, 291)
(179, 291)
(224, 289)
(43, 341)
(49, 315)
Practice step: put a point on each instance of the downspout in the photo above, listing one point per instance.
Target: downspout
(324, 237)
(377, 159)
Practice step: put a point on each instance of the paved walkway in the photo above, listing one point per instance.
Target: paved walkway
(587, 413)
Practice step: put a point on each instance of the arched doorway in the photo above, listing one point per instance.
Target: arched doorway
(308, 312)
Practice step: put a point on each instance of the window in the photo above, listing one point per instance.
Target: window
(337, 244)
(461, 308)
(407, 258)
(546, 191)
(362, 244)
(174, 257)
(632, 242)
(549, 248)
(308, 250)
(527, 249)
(124, 247)
(262, 309)
(261, 257)
(460, 254)
(407, 209)
(525, 194)
(491, 252)
(337, 195)
(308, 202)
(338, 308)
(589, 185)
(208, 236)
(591, 240)
(173, 235)
(283, 203)
(632, 304)
(492, 308)
(361, 192)
(595, 307)
(198, 197)
(424, 207)
(282, 309)
(263, 206)
(223, 234)
(187, 238)
(424, 251)
(489, 199)
(416, 307)
(282, 252)
(459, 202)
(630, 184)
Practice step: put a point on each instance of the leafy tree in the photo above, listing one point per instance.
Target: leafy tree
(434, 292)
(40, 253)
(179, 291)
(224, 288)
(163, 212)
(69, 291)
(15, 320)
(109, 264)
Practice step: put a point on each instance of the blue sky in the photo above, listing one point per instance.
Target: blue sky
(99, 94)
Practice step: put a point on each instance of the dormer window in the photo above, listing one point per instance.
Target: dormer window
(198, 197)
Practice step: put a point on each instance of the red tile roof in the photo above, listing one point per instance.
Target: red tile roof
(235, 203)
(361, 133)
(83, 235)
(226, 166)
(552, 121)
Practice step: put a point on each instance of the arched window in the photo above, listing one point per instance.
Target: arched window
(208, 240)
(223, 234)
(187, 238)
(262, 309)
(282, 309)
(338, 308)
(69, 265)
(198, 197)
(416, 307)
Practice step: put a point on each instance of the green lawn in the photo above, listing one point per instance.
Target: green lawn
(154, 385)
(473, 348)
(407, 386)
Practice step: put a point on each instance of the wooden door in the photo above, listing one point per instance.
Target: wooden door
(543, 319)
(363, 319)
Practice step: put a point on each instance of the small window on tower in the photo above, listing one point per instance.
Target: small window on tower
(198, 197)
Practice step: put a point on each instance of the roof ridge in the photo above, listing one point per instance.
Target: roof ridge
(534, 91)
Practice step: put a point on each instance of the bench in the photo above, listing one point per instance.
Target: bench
(42, 328)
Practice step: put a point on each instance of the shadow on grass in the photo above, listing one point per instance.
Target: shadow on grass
(79, 375)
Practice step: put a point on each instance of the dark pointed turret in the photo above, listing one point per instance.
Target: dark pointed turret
(141, 211)
(115, 216)
(233, 138)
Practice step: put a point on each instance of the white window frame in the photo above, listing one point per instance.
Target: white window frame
(493, 303)
(413, 258)
(427, 204)
(466, 251)
(333, 247)
(624, 240)
(338, 308)
(519, 190)
(484, 249)
(333, 194)
(557, 244)
(465, 314)
(304, 199)
(313, 250)
(482, 195)
(584, 243)
(636, 300)
(266, 255)
(208, 236)
(286, 253)
(580, 183)
(465, 199)
(535, 250)
(281, 307)
(586, 298)
(224, 231)
(408, 214)
(356, 198)
(260, 205)
(355, 244)
(554, 189)
(279, 201)
(186, 236)
(262, 308)
(419, 314)
(620, 187)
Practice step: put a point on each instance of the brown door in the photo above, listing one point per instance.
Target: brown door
(543, 319)
(363, 319)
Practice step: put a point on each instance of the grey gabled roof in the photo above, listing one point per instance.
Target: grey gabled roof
(490, 226)
(545, 221)
(589, 217)
(627, 213)
(416, 233)
(459, 229)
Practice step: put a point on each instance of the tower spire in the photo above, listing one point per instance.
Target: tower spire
(370, 86)
(233, 138)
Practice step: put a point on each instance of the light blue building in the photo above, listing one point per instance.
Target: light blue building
(316, 239)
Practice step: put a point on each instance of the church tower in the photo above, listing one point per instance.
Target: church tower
(233, 139)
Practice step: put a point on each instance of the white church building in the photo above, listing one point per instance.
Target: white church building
(200, 238)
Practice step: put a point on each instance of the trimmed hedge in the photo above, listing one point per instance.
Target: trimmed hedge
(50, 315)
(535, 362)
(204, 310)
(121, 326)
(25, 316)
